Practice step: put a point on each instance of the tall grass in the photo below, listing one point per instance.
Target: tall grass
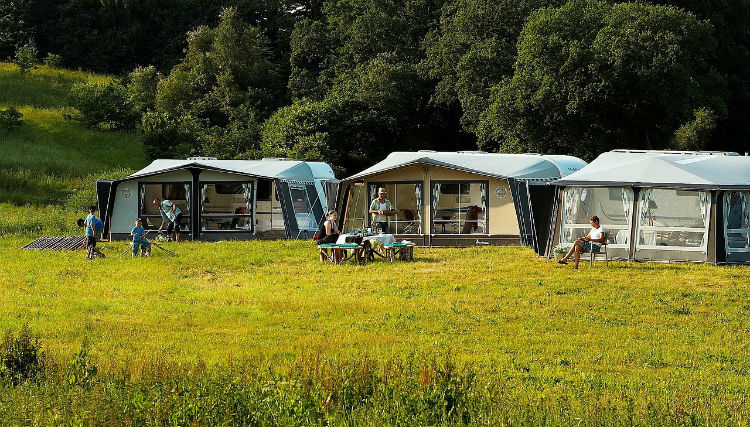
(410, 390)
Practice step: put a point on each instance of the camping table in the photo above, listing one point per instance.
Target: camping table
(355, 255)
(401, 251)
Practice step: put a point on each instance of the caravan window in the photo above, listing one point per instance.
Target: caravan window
(406, 197)
(459, 207)
(673, 220)
(177, 192)
(613, 206)
(737, 226)
(227, 206)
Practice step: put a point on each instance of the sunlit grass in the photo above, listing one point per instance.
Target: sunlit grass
(275, 299)
(658, 336)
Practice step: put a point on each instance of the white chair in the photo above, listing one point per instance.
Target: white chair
(602, 251)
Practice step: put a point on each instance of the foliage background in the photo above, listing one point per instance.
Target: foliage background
(348, 81)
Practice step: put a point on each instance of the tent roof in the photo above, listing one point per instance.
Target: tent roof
(687, 170)
(520, 166)
(267, 168)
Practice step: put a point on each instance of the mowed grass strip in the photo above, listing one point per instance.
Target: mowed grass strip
(276, 301)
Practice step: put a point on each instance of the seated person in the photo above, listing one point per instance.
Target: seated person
(591, 243)
(139, 241)
(328, 232)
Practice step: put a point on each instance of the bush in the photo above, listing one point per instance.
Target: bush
(53, 60)
(81, 371)
(21, 356)
(103, 105)
(26, 57)
(166, 136)
(696, 134)
(142, 86)
(10, 118)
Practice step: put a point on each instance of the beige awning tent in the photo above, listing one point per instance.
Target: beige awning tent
(661, 205)
(459, 198)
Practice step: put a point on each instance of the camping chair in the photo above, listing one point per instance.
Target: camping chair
(602, 251)
(409, 228)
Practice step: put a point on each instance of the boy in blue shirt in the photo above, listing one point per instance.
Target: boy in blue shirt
(139, 240)
(92, 225)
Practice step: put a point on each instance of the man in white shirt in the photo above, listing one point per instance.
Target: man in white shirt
(170, 215)
(381, 209)
(591, 243)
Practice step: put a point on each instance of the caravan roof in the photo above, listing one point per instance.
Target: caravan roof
(267, 168)
(666, 169)
(535, 167)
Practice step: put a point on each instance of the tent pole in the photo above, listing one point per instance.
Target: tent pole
(195, 205)
(634, 224)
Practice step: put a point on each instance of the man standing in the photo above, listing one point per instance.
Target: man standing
(170, 214)
(381, 209)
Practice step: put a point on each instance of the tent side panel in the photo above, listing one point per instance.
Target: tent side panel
(520, 194)
(315, 196)
(287, 209)
(542, 200)
(125, 209)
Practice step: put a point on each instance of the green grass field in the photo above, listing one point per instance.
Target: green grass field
(670, 339)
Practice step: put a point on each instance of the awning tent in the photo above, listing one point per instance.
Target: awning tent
(223, 199)
(460, 198)
(661, 205)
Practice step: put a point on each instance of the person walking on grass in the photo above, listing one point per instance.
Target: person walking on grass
(139, 241)
(592, 242)
(92, 224)
(171, 215)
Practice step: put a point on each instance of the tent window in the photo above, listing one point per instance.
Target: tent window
(407, 199)
(356, 207)
(737, 225)
(459, 207)
(673, 220)
(299, 200)
(302, 208)
(269, 215)
(264, 190)
(177, 192)
(613, 206)
(227, 206)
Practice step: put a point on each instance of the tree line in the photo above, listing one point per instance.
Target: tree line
(348, 81)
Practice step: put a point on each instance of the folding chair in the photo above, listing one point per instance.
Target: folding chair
(602, 251)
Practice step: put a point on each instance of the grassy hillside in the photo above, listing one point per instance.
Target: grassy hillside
(634, 344)
(44, 163)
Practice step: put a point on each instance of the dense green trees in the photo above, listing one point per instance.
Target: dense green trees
(348, 81)
(214, 101)
(590, 76)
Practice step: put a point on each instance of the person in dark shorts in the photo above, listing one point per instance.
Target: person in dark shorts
(92, 224)
(170, 215)
(592, 242)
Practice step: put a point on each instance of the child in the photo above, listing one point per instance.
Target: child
(92, 225)
(138, 240)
